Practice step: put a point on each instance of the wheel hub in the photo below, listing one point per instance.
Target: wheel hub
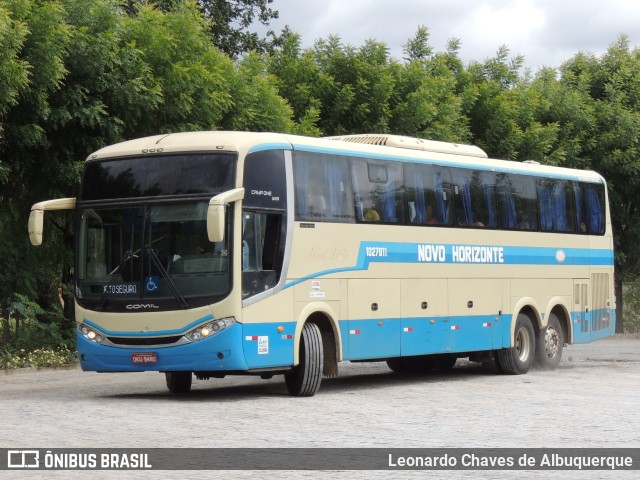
(523, 344)
(551, 342)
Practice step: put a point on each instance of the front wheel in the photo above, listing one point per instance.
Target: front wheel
(178, 382)
(549, 344)
(304, 380)
(518, 359)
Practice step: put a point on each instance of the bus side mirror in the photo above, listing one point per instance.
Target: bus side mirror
(216, 213)
(36, 217)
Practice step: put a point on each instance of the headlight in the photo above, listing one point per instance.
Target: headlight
(210, 328)
(90, 334)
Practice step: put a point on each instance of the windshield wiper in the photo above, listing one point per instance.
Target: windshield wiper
(128, 255)
(153, 254)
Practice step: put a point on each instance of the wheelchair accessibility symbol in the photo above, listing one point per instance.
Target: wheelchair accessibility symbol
(151, 283)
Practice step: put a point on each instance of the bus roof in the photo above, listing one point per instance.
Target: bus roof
(374, 146)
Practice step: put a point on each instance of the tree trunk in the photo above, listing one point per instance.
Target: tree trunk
(618, 293)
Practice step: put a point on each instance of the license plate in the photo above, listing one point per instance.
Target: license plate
(144, 357)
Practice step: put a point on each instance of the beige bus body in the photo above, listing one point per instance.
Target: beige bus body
(323, 283)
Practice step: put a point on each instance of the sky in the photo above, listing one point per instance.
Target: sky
(545, 32)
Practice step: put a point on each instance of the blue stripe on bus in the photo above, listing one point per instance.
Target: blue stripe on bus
(393, 337)
(467, 254)
(270, 146)
(180, 331)
(251, 346)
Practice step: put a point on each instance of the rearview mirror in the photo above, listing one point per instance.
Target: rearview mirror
(216, 213)
(36, 217)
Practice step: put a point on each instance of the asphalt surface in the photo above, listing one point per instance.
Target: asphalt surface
(590, 401)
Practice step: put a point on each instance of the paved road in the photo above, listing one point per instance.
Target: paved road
(591, 400)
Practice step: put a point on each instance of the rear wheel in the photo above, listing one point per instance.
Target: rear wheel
(444, 362)
(491, 363)
(178, 382)
(397, 365)
(304, 380)
(422, 363)
(518, 359)
(549, 344)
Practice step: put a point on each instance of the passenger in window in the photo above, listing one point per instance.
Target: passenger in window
(523, 224)
(317, 204)
(583, 228)
(370, 215)
(431, 219)
(460, 220)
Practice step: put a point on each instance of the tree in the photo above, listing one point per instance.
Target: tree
(613, 149)
(425, 101)
(355, 86)
(81, 74)
(231, 20)
(34, 44)
(229, 23)
(417, 47)
(296, 75)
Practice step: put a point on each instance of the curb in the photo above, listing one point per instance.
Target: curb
(27, 370)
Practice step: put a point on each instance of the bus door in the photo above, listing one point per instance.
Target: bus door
(601, 305)
(475, 307)
(580, 316)
(425, 323)
(374, 318)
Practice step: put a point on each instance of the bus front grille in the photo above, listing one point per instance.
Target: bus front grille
(142, 342)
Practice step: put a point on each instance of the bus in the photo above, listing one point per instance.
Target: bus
(209, 254)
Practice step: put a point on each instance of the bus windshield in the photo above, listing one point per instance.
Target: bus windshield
(156, 256)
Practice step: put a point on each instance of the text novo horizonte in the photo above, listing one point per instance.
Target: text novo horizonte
(460, 253)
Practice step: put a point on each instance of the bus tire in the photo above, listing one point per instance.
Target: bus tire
(492, 363)
(549, 344)
(444, 362)
(178, 382)
(517, 359)
(304, 380)
(397, 365)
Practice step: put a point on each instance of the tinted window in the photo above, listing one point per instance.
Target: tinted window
(517, 205)
(475, 198)
(265, 180)
(589, 200)
(429, 195)
(556, 205)
(378, 191)
(156, 176)
(323, 188)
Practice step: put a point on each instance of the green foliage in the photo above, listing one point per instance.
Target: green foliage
(230, 22)
(13, 69)
(40, 357)
(631, 302)
(256, 102)
(76, 75)
(28, 327)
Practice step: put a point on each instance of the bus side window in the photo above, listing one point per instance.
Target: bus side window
(261, 252)
(322, 188)
(556, 213)
(378, 191)
(589, 208)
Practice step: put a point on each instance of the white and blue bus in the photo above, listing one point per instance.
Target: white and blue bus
(221, 253)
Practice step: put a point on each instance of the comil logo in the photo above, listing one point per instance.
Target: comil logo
(23, 459)
(140, 306)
